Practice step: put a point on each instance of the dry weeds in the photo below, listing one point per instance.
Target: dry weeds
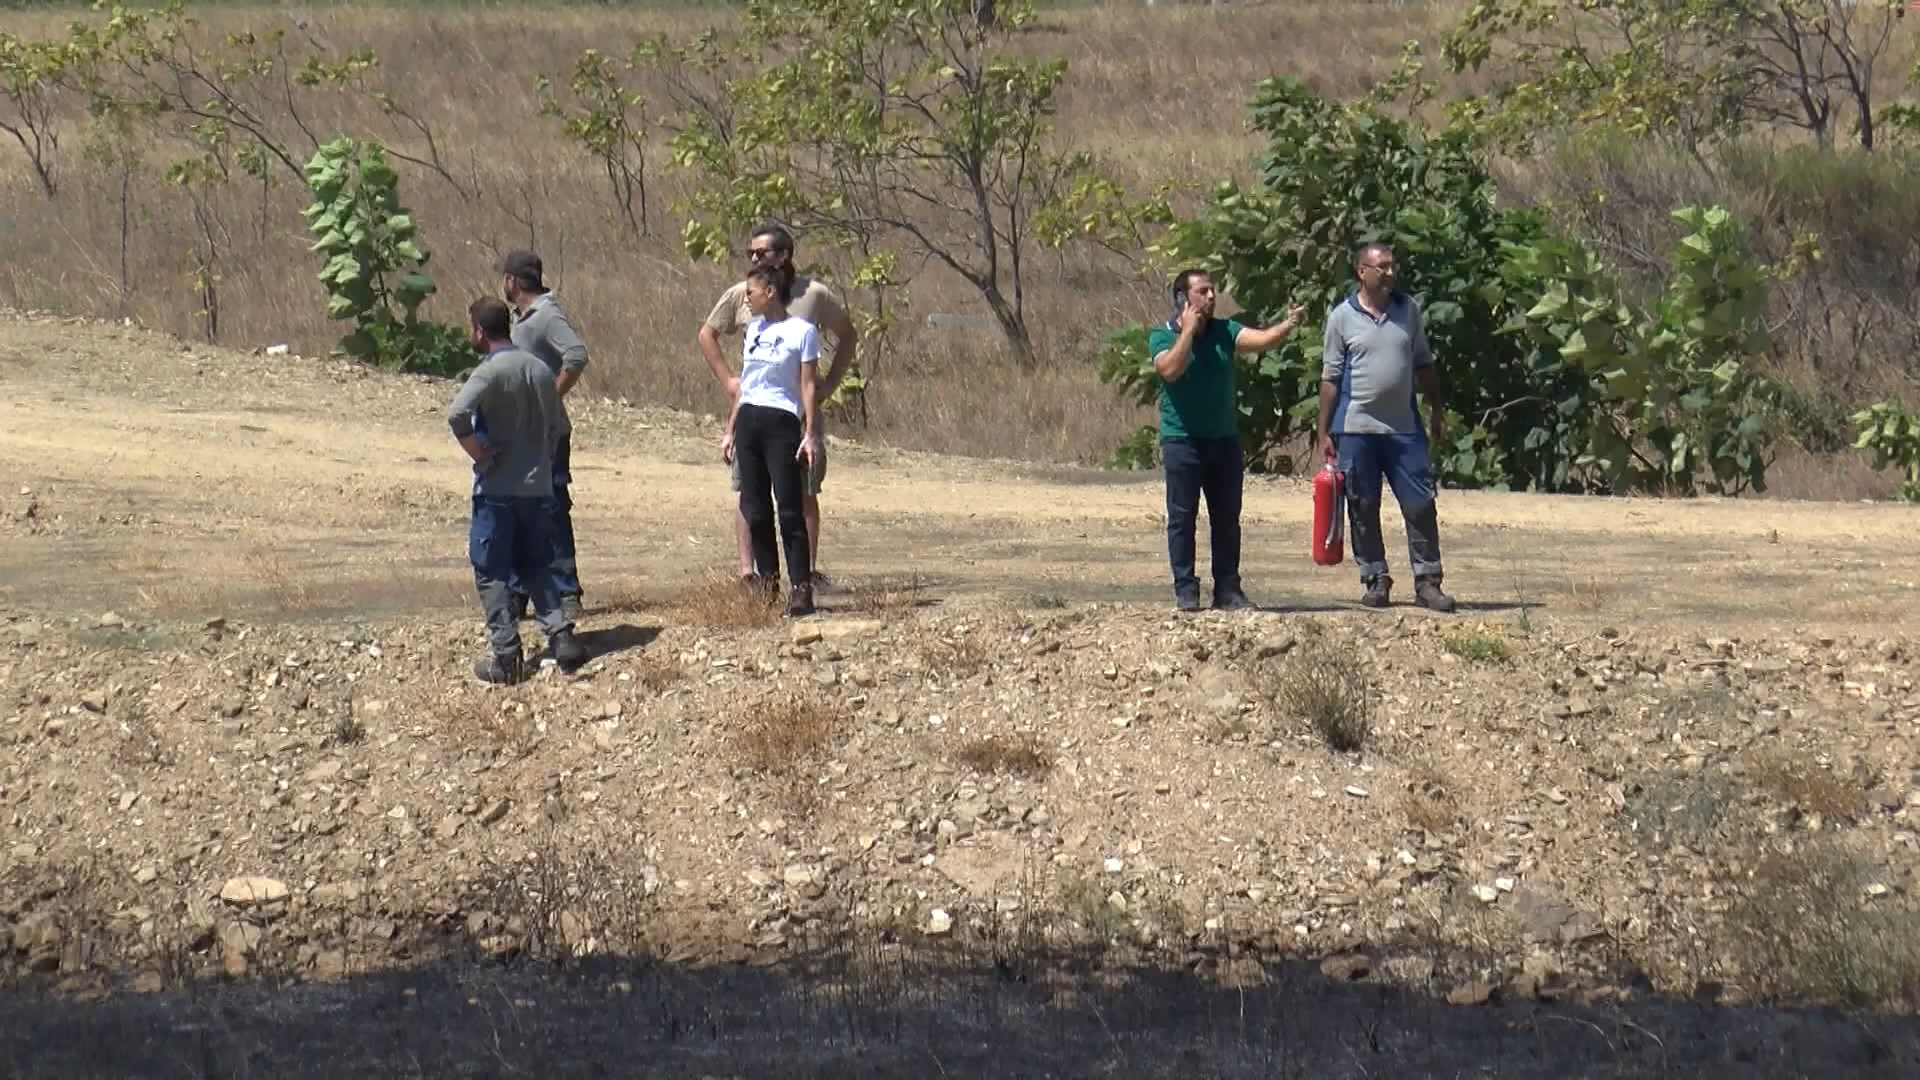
(721, 600)
(1428, 803)
(1807, 924)
(1807, 786)
(1325, 686)
(1021, 755)
(779, 738)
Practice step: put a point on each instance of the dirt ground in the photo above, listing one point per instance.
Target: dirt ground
(998, 798)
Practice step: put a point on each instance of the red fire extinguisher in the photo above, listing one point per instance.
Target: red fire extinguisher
(1328, 485)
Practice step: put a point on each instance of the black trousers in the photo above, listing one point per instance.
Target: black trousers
(767, 444)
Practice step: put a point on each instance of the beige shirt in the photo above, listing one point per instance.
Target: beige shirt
(812, 301)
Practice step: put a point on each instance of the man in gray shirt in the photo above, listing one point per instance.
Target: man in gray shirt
(541, 327)
(509, 420)
(1376, 354)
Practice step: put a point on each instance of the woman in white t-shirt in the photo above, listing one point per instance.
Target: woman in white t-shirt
(773, 430)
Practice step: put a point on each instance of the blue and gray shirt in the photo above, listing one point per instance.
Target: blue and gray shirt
(1372, 360)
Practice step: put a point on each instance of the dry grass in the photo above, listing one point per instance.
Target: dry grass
(888, 597)
(656, 673)
(469, 70)
(1326, 686)
(1428, 803)
(1806, 927)
(1021, 755)
(721, 600)
(779, 738)
(1808, 787)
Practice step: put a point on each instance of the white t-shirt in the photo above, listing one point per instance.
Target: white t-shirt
(770, 369)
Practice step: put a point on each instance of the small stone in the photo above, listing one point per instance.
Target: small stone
(330, 965)
(1346, 968)
(495, 811)
(1038, 816)
(1162, 788)
(23, 852)
(1473, 993)
(1877, 890)
(110, 620)
(805, 634)
(145, 874)
(1504, 884)
(253, 891)
(939, 922)
(1114, 866)
(1356, 791)
(1485, 894)
(798, 875)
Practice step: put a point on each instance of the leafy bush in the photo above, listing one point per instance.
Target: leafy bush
(375, 269)
(1555, 380)
(1893, 434)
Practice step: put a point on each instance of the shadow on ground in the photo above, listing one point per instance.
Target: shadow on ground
(910, 1012)
(619, 638)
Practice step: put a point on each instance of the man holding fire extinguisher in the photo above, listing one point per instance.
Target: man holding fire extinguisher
(1193, 355)
(1376, 355)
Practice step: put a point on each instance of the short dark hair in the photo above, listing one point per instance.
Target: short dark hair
(774, 278)
(781, 238)
(1184, 279)
(490, 316)
(524, 267)
(1372, 247)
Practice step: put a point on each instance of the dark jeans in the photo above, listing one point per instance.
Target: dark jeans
(1402, 461)
(1213, 468)
(766, 442)
(511, 540)
(566, 572)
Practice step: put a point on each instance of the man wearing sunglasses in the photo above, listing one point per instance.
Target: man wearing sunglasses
(772, 245)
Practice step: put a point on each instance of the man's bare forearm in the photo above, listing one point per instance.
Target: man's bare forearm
(564, 382)
(710, 349)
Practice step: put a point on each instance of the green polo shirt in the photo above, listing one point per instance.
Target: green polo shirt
(1201, 403)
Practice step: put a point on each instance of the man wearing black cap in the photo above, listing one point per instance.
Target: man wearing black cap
(542, 328)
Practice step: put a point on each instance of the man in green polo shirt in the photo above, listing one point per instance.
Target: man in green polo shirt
(1193, 357)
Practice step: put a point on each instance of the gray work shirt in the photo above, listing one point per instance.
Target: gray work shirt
(545, 331)
(1372, 360)
(510, 402)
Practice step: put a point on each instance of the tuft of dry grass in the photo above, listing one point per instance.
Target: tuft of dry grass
(656, 673)
(889, 597)
(1807, 787)
(1021, 755)
(779, 738)
(1428, 803)
(1805, 926)
(1326, 687)
(721, 600)
(954, 658)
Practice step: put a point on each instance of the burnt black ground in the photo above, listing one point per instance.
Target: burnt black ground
(908, 1013)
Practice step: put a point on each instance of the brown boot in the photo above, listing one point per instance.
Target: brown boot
(1379, 591)
(1426, 593)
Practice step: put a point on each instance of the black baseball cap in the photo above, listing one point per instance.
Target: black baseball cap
(523, 266)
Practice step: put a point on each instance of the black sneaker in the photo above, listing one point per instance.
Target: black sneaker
(1186, 597)
(1379, 591)
(501, 669)
(1231, 598)
(567, 650)
(800, 602)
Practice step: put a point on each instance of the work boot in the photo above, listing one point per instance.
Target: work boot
(567, 650)
(1426, 593)
(800, 602)
(517, 607)
(1186, 597)
(1230, 598)
(1379, 591)
(501, 669)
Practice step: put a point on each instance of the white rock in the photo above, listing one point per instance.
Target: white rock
(939, 922)
(1485, 894)
(253, 891)
(1114, 866)
(1504, 884)
(1356, 791)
